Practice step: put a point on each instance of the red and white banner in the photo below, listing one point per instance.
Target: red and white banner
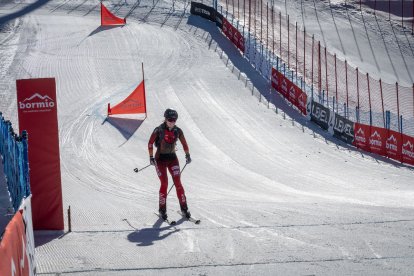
(37, 111)
(233, 34)
(279, 83)
(13, 256)
(284, 85)
(298, 98)
(361, 136)
(393, 145)
(385, 142)
(108, 19)
(289, 90)
(135, 103)
(407, 151)
(377, 140)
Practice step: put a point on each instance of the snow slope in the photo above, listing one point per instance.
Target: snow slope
(275, 196)
(367, 40)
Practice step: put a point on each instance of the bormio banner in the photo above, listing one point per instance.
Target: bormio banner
(37, 112)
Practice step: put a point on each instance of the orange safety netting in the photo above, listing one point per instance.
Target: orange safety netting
(108, 19)
(135, 103)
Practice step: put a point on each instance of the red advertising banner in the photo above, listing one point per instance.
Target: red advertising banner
(393, 145)
(302, 100)
(238, 40)
(289, 90)
(292, 93)
(233, 34)
(377, 140)
(361, 136)
(385, 142)
(275, 79)
(407, 151)
(297, 97)
(37, 111)
(284, 85)
(134, 104)
(108, 19)
(13, 257)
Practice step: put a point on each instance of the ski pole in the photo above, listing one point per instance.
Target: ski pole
(136, 169)
(173, 179)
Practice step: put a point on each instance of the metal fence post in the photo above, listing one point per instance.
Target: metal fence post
(398, 105)
(382, 102)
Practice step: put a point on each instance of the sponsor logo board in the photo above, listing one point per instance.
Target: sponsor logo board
(203, 11)
(37, 112)
(344, 129)
(320, 115)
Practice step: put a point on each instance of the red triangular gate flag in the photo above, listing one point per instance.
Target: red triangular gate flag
(135, 103)
(108, 19)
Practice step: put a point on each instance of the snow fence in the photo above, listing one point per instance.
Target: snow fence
(308, 84)
(17, 240)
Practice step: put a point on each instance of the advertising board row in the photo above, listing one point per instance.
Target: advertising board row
(228, 29)
(373, 139)
(289, 90)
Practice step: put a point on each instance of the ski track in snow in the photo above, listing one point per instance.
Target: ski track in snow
(272, 197)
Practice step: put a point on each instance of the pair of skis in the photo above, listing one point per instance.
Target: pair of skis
(173, 222)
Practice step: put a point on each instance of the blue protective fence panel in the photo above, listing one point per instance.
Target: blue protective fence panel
(13, 149)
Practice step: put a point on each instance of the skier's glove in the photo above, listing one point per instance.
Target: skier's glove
(152, 161)
(187, 158)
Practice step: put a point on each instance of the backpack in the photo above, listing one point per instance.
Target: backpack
(161, 134)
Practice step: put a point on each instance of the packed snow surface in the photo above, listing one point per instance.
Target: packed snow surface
(275, 194)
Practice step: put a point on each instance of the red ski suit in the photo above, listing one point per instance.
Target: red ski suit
(166, 158)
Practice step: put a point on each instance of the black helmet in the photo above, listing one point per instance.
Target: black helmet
(170, 114)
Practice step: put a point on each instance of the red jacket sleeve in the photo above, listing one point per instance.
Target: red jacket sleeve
(152, 141)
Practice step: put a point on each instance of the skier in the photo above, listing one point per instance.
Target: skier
(165, 137)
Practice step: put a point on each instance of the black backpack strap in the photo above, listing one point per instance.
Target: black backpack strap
(161, 133)
(176, 132)
(160, 136)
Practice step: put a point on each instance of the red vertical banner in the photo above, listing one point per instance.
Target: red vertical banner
(407, 149)
(361, 136)
(393, 145)
(37, 111)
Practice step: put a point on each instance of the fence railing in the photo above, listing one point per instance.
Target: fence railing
(332, 81)
(13, 149)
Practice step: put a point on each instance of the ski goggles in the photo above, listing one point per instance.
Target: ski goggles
(172, 120)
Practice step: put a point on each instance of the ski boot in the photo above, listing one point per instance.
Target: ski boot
(185, 213)
(163, 213)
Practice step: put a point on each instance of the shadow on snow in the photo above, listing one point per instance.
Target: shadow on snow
(148, 236)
